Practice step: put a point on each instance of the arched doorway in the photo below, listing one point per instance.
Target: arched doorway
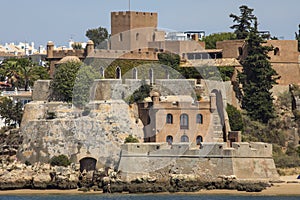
(88, 164)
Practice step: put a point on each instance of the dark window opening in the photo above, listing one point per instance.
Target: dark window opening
(169, 119)
(199, 119)
(199, 140)
(276, 51)
(169, 139)
(184, 121)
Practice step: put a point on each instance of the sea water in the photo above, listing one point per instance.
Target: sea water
(145, 197)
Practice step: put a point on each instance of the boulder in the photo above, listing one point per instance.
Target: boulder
(41, 181)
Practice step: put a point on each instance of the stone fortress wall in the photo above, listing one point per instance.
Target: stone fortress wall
(244, 161)
(100, 135)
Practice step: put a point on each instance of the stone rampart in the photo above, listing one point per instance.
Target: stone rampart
(244, 160)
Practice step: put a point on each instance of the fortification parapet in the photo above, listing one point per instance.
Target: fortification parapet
(206, 163)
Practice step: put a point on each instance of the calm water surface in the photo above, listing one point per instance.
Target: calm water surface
(144, 197)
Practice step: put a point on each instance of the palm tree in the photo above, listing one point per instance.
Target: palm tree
(22, 72)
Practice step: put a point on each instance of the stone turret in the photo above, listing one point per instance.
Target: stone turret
(89, 47)
(50, 49)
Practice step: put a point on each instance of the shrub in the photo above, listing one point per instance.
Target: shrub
(235, 118)
(27, 163)
(131, 139)
(61, 160)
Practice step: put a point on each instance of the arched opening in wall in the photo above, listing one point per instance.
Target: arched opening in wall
(118, 73)
(199, 140)
(121, 37)
(169, 139)
(102, 72)
(88, 164)
(184, 121)
(137, 35)
(135, 73)
(276, 51)
(184, 138)
(199, 119)
(240, 51)
(169, 119)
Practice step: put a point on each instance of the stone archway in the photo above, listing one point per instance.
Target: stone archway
(88, 164)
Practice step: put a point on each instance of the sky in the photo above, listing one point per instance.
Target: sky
(40, 21)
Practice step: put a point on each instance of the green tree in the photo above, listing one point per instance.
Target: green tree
(169, 59)
(298, 37)
(97, 35)
(63, 81)
(257, 78)
(11, 111)
(131, 139)
(235, 118)
(61, 160)
(22, 72)
(140, 94)
(83, 83)
(244, 22)
(212, 39)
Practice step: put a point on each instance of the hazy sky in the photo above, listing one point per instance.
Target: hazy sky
(59, 20)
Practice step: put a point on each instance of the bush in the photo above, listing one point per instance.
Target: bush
(61, 160)
(235, 118)
(131, 139)
(27, 163)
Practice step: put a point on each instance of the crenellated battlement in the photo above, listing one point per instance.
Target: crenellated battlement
(206, 149)
(244, 161)
(134, 13)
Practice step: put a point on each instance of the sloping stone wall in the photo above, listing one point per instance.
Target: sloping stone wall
(97, 135)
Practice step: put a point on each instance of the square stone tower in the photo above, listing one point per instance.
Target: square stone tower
(128, 20)
(133, 31)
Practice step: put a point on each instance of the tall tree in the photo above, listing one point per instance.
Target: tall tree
(257, 78)
(211, 40)
(298, 38)
(97, 35)
(10, 111)
(64, 80)
(83, 84)
(244, 22)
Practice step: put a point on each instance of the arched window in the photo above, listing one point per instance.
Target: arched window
(199, 140)
(184, 138)
(118, 73)
(102, 72)
(169, 119)
(184, 121)
(135, 73)
(199, 119)
(169, 139)
(137, 36)
(276, 51)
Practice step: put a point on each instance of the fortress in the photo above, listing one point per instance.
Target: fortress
(195, 140)
(179, 132)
